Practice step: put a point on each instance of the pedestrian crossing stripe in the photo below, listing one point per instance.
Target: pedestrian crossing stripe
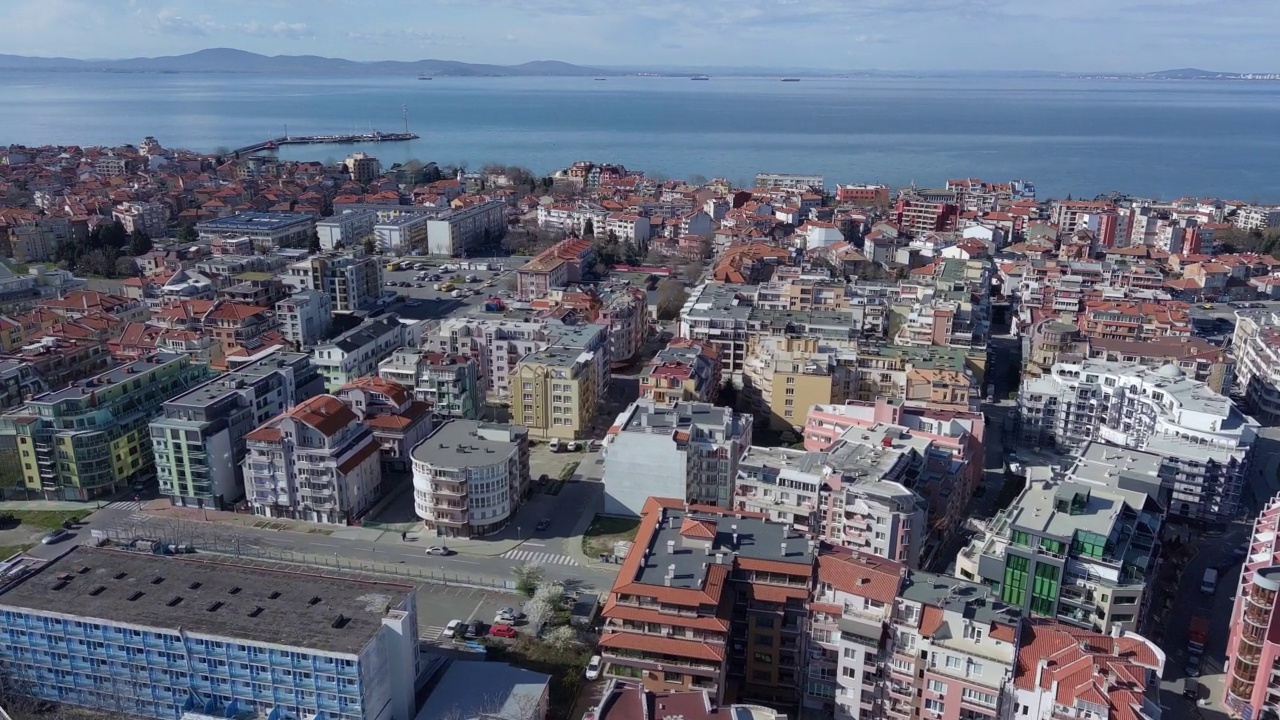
(433, 632)
(539, 558)
(126, 505)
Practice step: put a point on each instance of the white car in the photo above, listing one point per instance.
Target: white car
(572, 446)
(453, 629)
(593, 667)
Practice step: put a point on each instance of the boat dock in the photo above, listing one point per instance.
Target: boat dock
(322, 140)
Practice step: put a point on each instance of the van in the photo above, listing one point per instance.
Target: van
(1209, 584)
(1191, 688)
(555, 445)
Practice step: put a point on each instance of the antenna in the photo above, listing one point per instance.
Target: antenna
(404, 110)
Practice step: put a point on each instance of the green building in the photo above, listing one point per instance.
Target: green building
(1080, 549)
(90, 439)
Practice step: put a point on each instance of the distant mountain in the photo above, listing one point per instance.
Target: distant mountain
(216, 60)
(1198, 74)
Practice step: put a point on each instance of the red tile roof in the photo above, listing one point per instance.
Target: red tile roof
(664, 646)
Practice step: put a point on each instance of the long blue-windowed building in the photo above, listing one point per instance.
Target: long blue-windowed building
(172, 637)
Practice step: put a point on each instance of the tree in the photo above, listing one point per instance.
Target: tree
(139, 243)
(313, 243)
(692, 271)
(370, 247)
(589, 228)
(125, 267)
(562, 638)
(728, 395)
(550, 593)
(188, 234)
(528, 576)
(671, 297)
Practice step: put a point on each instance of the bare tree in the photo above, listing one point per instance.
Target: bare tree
(671, 297)
(691, 271)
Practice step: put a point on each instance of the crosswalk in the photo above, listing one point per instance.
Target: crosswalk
(432, 632)
(539, 558)
(126, 505)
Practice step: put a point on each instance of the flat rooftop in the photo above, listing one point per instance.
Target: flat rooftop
(756, 540)
(255, 222)
(326, 614)
(465, 443)
(220, 385)
(115, 375)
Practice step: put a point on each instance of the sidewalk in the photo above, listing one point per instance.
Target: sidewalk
(85, 507)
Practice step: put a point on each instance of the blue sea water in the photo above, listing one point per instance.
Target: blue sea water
(1161, 139)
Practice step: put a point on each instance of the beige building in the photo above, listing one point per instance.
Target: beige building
(556, 392)
(362, 168)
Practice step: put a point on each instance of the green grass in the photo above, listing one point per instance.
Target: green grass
(47, 519)
(8, 551)
(606, 530)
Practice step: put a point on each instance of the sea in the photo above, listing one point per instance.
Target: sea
(1070, 136)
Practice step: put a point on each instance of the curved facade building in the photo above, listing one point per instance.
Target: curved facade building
(1253, 650)
(470, 478)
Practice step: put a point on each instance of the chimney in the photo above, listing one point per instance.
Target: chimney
(784, 549)
(1117, 631)
(706, 549)
(671, 571)
(671, 547)
(719, 558)
(735, 538)
(1041, 666)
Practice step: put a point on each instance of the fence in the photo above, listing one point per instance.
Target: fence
(166, 535)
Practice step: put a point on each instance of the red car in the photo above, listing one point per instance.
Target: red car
(504, 631)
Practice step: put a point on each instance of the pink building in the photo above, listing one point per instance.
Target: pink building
(1253, 649)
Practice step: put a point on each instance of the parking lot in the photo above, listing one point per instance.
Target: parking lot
(437, 605)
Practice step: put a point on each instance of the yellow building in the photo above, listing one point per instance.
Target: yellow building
(798, 385)
(91, 439)
(556, 392)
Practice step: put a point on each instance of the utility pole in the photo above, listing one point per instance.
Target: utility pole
(404, 110)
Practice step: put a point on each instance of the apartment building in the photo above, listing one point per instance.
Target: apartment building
(709, 600)
(90, 439)
(151, 218)
(1065, 670)
(470, 478)
(786, 376)
(862, 194)
(357, 352)
(623, 699)
(1081, 548)
(462, 232)
(1257, 218)
(1206, 443)
(18, 381)
(448, 383)
(684, 450)
(1253, 648)
(402, 234)
(683, 371)
(351, 279)
(1196, 357)
(35, 239)
(315, 462)
(790, 181)
(362, 168)
(557, 391)
(198, 439)
(625, 311)
(1256, 342)
(499, 341)
(268, 231)
(305, 317)
(936, 321)
(627, 228)
(346, 229)
(143, 635)
(718, 314)
(927, 211)
(398, 421)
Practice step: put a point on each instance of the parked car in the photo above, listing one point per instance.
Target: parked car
(439, 550)
(593, 667)
(502, 630)
(475, 629)
(509, 613)
(554, 446)
(451, 630)
(543, 524)
(572, 446)
(55, 536)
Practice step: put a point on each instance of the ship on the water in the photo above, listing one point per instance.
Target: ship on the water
(700, 77)
(790, 79)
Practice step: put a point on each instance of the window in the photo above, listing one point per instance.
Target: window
(937, 686)
(764, 641)
(973, 669)
(934, 705)
(973, 632)
(672, 677)
(791, 380)
(764, 658)
(952, 662)
(764, 622)
(978, 697)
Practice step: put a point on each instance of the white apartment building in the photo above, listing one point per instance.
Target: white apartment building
(351, 279)
(402, 234)
(470, 478)
(790, 181)
(1257, 346)
(719, 314)
(1256, 217)
(346, 229)
(460, 232)
(305, 318)
(498, 342)
(1204, 438)
(627, 228)
(316, 462)
(151, 218)
(686, 450)
(357, 352)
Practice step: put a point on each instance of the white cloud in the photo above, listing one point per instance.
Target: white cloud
(169, 22)
(294, 31)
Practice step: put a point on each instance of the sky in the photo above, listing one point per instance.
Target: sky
(1060, 35)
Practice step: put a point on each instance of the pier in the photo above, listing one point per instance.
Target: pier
(274, 143)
